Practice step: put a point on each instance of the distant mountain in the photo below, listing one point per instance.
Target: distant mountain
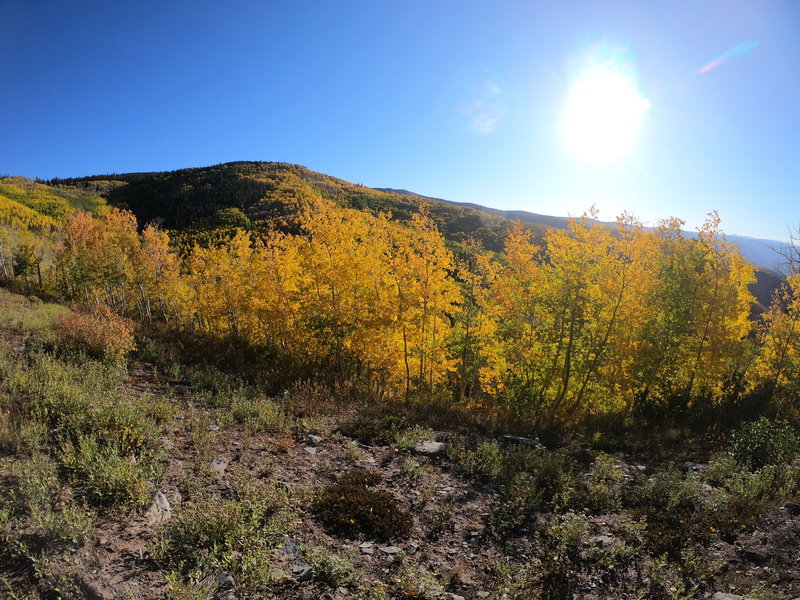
(764, 253)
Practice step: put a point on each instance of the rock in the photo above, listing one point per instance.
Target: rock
(482, 594)
(290, 549)
(159, 510)
(301, 570)
(224, 581)
(220, 464)
(601, 541)
(450, 595)
(518, 439)
(754, 554)
(389, 549)
(429, 448)
(366, 548)
(793, 508)
(724, 596)
(314, 439)
(693, 467)
(309, 450)
(167, 444)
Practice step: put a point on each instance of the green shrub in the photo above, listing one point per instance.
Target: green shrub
(530, 479)
(45, 513)
(676, 511)
(236, 535)
(601, 489)
(351, 510)
(485, 463)
(108, 476)
(764, 442)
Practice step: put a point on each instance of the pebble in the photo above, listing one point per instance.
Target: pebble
(389, 549)
(310, 450)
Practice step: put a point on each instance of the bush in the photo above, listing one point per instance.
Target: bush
(764, 442)
(107, 476)
(236, 534)
(101, 334)
(350, 510)
(676, 511)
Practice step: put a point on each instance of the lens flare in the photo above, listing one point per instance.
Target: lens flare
(604, 109)
(730, 53)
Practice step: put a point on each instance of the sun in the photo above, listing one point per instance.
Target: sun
(603, 114)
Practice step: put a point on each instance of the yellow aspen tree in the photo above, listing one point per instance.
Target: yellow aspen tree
(719, 313)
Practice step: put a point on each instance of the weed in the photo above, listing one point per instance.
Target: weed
(417, 582)
(336, 569)
(413, 468)
(258, 414)
(406, 439)
(676, 511)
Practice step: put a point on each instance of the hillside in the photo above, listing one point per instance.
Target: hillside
(266, 190)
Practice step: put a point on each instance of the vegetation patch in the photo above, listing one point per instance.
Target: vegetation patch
(349, 510)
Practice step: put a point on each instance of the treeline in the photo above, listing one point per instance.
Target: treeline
(593, 320)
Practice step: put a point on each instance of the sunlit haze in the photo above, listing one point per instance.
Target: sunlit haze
(604, 110)
(657, 108)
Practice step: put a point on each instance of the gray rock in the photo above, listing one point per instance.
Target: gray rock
(366, 548)
(220, 464)
(793, 508)
(693, 467)
(301, 570)
(389, 549)
(224, 581)
(724, 596)
(482, 594)
(518, 439)
(601, 541)
(429, 448)
(309, 450)
(160, 510)
(313, 439)
(290, 549)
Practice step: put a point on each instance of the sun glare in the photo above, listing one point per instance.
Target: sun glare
(604, 113)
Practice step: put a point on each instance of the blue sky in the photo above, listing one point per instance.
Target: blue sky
(460, 100)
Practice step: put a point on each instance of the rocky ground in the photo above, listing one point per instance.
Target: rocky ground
(455, 547)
